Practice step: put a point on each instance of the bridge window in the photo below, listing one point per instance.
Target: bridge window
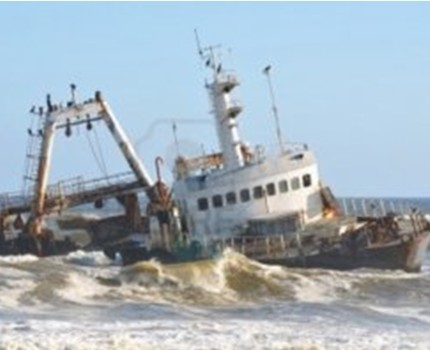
(283, 186)
(230, 198)
(202, 204)
(217, 201)
(295, 183)
(307, 180)
(258, 192)
(245, 196)
(271, 189)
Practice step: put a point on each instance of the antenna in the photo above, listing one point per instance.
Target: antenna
(175, 136)
(266, 71)
(207, 54)
(199, 47)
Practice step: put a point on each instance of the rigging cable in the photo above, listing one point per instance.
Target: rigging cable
(100, 150)
(93, 151)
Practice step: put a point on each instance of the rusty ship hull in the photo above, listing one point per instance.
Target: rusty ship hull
(408, 256)
(377, 243)
(398, 255)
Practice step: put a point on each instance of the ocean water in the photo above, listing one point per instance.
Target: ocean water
(85, 301)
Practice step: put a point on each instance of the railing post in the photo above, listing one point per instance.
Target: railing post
(381, 202)
(402, 208)
(283, 243)
(372, 209)
(345, 207)
(267, 246)
(353, 207)
(393, 209)
(363, 207)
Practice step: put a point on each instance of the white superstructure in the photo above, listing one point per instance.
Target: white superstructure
(241, 189)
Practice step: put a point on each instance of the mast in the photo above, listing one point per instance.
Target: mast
(266, 71)
(226, 109)
(41, 185)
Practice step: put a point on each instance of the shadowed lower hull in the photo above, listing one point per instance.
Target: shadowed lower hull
(401, 255)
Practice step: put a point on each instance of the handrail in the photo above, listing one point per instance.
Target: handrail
(78, 184)
(65, 188)
(374, 207)
(259, 245)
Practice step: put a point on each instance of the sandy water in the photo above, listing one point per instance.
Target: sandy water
(86, 301)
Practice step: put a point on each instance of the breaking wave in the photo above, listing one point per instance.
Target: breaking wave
(90, 277)
(83, 258)
(227, 303)
(16, 259)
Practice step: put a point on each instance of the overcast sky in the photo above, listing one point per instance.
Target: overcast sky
(352, 80)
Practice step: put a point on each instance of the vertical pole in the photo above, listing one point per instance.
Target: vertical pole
(266, 71)
(38, 206)
(175, 136)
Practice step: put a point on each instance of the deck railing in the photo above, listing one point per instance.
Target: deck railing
(374, 207)
(299, 244)
(67, 188)
(79, 185)
(13, 199)
(262, 245)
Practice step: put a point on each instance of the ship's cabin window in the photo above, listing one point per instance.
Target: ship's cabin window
(230, 198)
(271, 189)
(295, 183)
(283, 186)
(202, 204)
(307, 180)
(258, 192)
(245, 196)
(184, 206)
(217, 201)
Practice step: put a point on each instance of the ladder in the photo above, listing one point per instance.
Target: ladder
(33, 154)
